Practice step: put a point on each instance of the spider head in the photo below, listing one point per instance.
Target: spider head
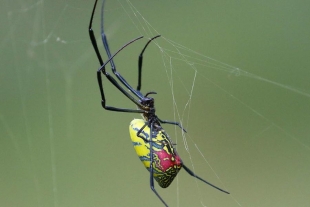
(148, 101)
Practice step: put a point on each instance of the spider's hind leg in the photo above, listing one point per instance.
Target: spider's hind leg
(171, 122)
(199, 178)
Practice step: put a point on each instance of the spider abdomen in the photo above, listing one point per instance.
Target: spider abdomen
(166, 161)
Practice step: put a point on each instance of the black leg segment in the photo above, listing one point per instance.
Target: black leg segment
(199, 178)
(151, 167)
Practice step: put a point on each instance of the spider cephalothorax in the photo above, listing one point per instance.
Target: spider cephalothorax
(148, 101)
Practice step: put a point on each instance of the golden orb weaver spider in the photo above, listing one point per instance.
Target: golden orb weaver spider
(152, 144)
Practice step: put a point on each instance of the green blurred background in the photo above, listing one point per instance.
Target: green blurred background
(59, 148)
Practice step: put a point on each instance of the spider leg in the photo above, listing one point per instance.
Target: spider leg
(199, 178)
(104, 38)
(92, 35)
(171, 122)
(141, 60)
(151, 167)
(140, 131)
(110, 78)
(113, 67)
(114, 82)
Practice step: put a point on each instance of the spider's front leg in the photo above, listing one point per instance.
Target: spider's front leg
(140, 61)
(114, 82)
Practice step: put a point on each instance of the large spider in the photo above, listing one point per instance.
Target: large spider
(151, 142)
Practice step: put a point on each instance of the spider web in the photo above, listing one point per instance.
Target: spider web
(235, 75)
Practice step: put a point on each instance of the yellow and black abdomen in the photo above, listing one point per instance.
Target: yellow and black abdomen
(166, 161)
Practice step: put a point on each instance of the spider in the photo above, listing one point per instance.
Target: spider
(152, 144)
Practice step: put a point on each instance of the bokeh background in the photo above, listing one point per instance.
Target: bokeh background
(240, 86)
